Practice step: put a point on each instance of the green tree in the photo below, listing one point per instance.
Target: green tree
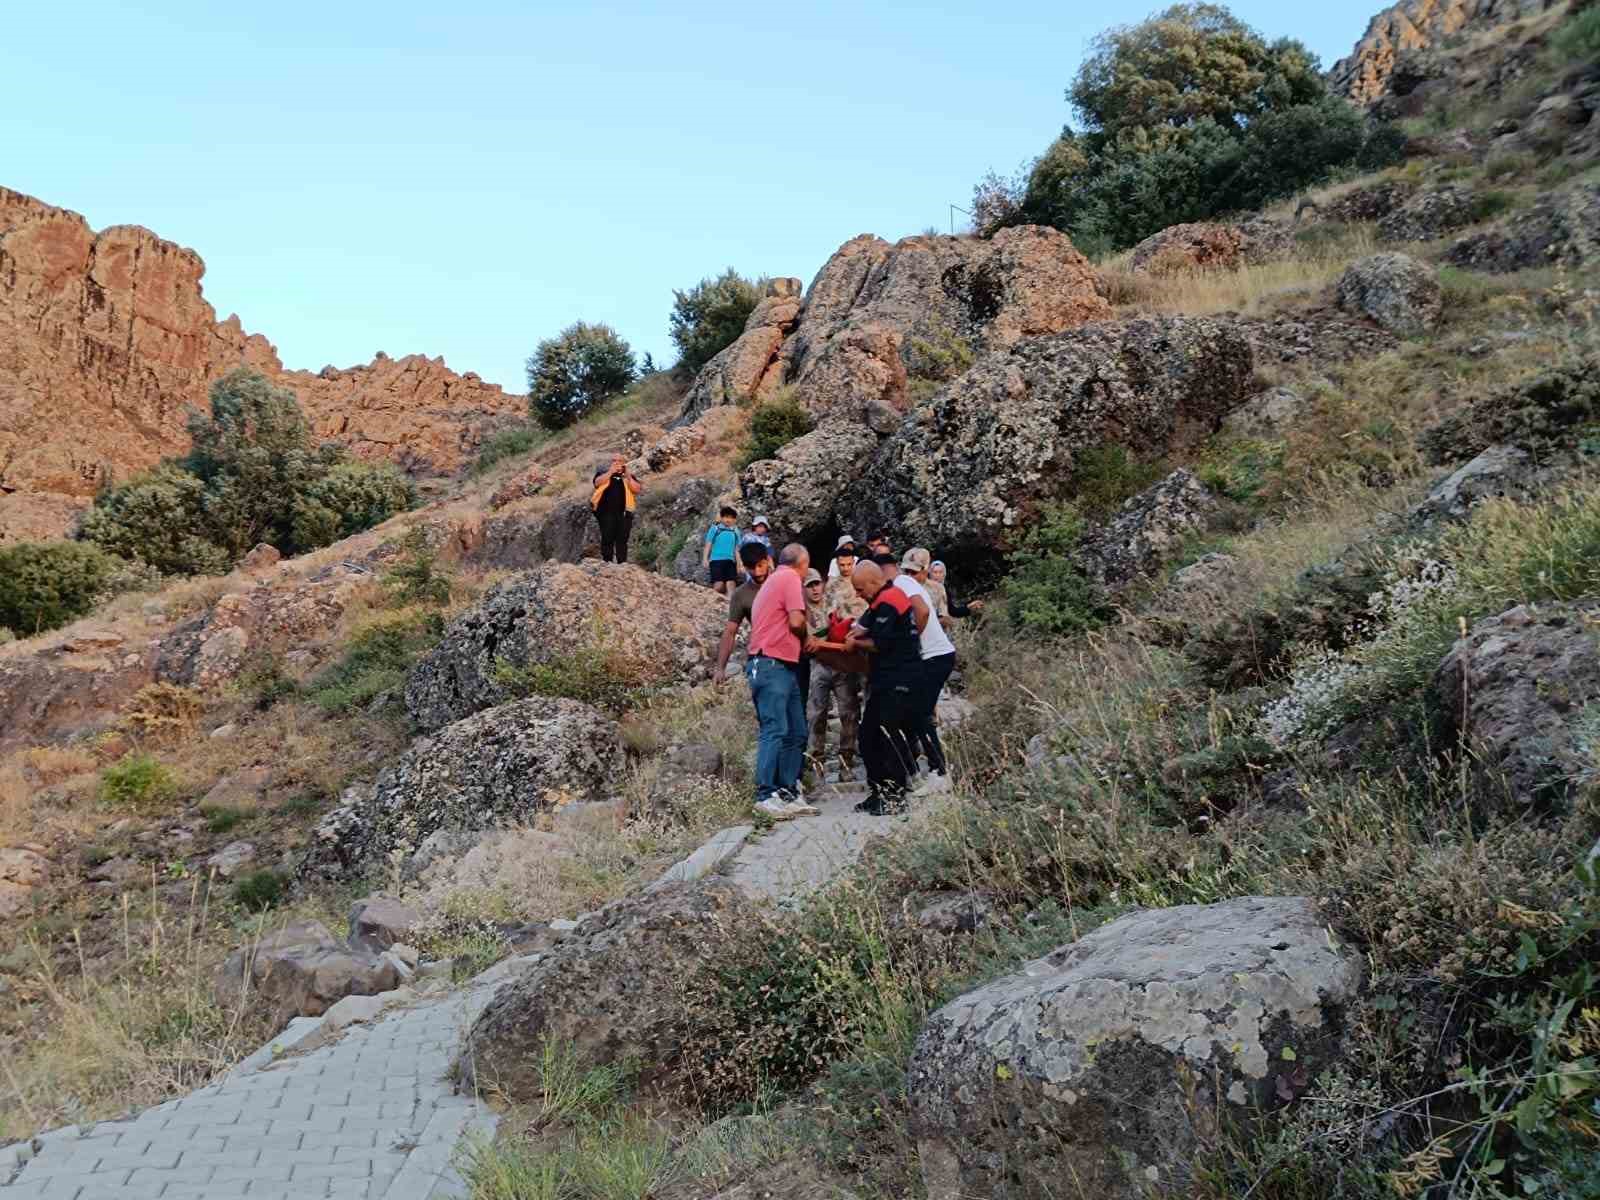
(710, 316)
(1189, 63)
(46, 584)
(251, 476)
(571, 373)
(775, 423)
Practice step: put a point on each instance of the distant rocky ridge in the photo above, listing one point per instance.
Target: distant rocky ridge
(1364, 76)
(106, 339)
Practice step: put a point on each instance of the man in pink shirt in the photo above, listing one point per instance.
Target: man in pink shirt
(777, 639)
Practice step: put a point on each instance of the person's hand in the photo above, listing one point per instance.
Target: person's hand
(811, 644)
(976, 606)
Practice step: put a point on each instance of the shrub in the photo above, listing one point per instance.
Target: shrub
(1104, 476)
(710, 316)
(46, 584)
(350, 497)
(774, 424)
(1578, 38)
(416, 578)
(138, 781)
(159, 519)
(593, 674)
(940, 356)
(508, 443)
(377, 660)
(568, 375)
(160, 712)
(1045, 591)
(260, 890)
(647, 547)
(220, 818)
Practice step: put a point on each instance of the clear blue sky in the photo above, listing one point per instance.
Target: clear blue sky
(465, 178)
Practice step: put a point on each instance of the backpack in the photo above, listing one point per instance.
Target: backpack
(715, 533)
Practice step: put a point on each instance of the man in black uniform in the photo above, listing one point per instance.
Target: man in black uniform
(888, 632)
(614, 490)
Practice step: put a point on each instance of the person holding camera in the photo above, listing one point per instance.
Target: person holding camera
(615, 489)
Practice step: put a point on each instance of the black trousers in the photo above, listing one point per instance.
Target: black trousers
(925, 732)
(614, 531)
(885, 749)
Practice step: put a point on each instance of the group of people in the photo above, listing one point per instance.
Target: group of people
(867, 641)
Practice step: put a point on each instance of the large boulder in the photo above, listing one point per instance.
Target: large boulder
(1199, 246)
(1395, 290)
(797, 490)
(975, 462)
(1541, 414)
(301, 970)
(498, 767)
(1514, 691)
(1499, 472)
(872, 303)
(608, 990)
(1149, 529)
(1106, 1062)
(661, 631)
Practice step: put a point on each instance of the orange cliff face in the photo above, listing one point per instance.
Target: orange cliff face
(106, 340)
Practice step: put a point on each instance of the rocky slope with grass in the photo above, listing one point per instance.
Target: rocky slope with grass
(1275, 811)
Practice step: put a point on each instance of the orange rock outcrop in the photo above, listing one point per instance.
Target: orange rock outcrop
(106, 340)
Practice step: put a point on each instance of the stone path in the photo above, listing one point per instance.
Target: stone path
(368, 1116)
(372, 1115)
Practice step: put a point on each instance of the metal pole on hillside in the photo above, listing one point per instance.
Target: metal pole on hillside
(954, 209)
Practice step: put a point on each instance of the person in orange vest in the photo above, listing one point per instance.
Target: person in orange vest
(615, 488)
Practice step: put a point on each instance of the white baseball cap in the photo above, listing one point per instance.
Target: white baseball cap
(761, 521)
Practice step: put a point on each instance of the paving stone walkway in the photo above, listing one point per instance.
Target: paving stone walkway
(372, 1115)
(369, 1116)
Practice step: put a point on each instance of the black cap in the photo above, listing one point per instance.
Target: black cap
(886, 560)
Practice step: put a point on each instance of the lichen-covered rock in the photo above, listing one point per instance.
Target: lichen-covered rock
(1200, 246)
(1371, 202)
(797, 490)
(1395, 290)
(301, 970)
(661, 631)
(607, 990)
(500, 767)
(378, 922)
(1562, 229)
(872, 301)
(976, 462)
(1148, 529)
(1514, 690)
(1540, 415)
(1081, 1065)
(1265, 415)
(1500, 471)
(1430, 214)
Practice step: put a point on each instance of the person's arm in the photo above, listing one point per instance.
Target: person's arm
(730, 634)
(705, 548)
(919, 612)
(631, 481)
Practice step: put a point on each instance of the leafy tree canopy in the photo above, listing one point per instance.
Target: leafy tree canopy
(708, 317)
(571, 373)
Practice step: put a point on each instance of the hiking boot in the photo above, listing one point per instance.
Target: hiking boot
(870, 806)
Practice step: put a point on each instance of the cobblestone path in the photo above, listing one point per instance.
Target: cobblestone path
(365, 1117)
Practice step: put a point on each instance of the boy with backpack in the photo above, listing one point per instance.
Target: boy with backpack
(721, 545)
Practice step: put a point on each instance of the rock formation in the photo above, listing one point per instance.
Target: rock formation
(106, 339)
(1148, 530)
(1366, 74)
(301, 970)
(657, 630)
(1395, 290)
(502, 766)
(1079, 1065)
(976, 461)
(871, 301)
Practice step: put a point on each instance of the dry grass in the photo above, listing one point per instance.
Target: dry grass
(24, 774)
(1251, 289)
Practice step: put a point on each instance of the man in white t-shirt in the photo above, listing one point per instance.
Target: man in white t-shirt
(938, 657)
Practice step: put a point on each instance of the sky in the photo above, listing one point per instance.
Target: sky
(466, 178)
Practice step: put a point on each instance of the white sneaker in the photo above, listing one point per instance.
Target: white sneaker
(778, 810)
(799, 808)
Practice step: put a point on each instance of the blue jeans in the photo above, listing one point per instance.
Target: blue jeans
(780, 749)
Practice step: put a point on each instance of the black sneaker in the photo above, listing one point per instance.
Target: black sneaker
(871, 806)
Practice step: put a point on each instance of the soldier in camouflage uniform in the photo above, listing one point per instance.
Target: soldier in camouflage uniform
(837, 689)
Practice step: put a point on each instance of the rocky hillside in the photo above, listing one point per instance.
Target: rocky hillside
(106, 339)
(1398, 36)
